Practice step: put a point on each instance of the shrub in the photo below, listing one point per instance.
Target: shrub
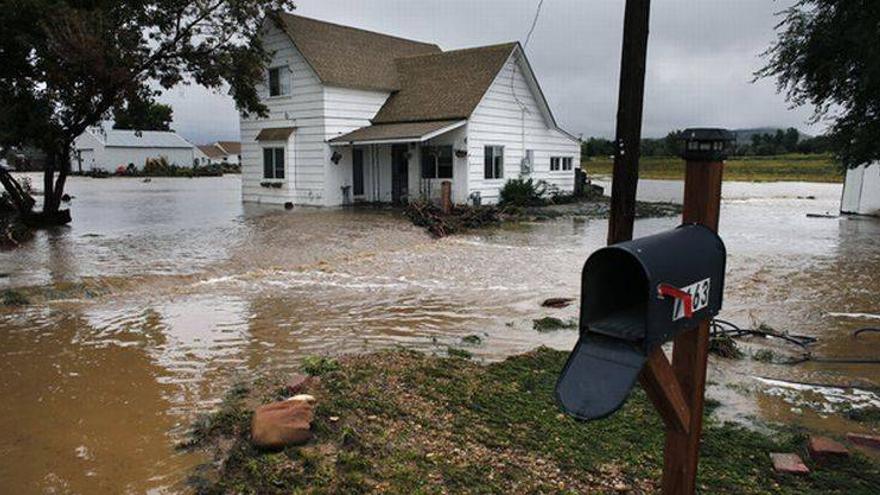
(523, 192)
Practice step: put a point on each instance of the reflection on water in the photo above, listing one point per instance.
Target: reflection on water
(194, 290)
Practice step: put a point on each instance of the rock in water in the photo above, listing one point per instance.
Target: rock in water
(282, 424)
(557, 302)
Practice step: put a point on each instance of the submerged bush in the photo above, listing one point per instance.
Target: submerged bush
(523, 192)
(14, 298)
(549, 324)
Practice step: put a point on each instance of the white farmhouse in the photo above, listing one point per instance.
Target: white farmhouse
(861, 190)
(108, 149)
(362, 116)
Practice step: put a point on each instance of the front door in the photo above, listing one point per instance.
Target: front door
(399, 173)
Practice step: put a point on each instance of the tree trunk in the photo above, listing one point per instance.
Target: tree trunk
(58, 160)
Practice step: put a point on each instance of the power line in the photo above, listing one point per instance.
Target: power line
(534, 23)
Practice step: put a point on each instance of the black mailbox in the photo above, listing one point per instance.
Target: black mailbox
(635, 296)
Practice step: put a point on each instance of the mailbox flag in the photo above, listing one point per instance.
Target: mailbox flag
(598, 376)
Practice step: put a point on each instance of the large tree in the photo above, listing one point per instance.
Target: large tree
(827, 53)
(66, 65)
(143, 116)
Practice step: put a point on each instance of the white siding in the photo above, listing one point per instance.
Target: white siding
(303, 109)
(344, 111)
(861, 190)
(94, 155)
(500, 120)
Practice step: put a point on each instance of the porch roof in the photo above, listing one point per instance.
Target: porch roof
(406, 132)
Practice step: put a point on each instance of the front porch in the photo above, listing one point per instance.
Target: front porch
(396, 163)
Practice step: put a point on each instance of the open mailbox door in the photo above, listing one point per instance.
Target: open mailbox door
(635, 296)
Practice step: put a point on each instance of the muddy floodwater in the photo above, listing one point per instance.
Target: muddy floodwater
(160, 295)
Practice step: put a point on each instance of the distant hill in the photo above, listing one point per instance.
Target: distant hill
(745, 135)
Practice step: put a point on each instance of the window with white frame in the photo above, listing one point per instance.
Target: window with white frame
(273, 163)
(493, 162)
(279, 81)
(558, 163)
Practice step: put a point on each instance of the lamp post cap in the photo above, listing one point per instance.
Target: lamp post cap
(708, 134)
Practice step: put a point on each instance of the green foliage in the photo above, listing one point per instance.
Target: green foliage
(792, 167)
(319, 365)
(825, 55)
(549, 324)
(14, 298)
(723, 345)
(523, 192)
(764, 356)
(458, 353)
(143, 115)
(69, 64)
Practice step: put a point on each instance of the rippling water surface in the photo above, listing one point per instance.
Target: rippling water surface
(161, 294)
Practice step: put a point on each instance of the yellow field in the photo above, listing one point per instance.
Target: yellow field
(793, 167)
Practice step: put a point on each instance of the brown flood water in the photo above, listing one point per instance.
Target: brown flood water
(160, 295)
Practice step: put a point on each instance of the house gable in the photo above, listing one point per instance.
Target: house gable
(348, 57)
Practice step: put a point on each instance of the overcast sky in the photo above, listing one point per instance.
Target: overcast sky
(701, 56)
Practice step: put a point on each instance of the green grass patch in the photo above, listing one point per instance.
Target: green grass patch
(790, 167)
(550, 324)
(404, 422)
(14, 298)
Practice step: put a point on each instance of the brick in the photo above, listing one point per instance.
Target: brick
(870, 441)
(788, 463)
(822, 448)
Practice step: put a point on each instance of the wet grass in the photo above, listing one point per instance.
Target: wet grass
(14, 298)
(404, 422)
(550, 324)
(791, 167)
(723, 345)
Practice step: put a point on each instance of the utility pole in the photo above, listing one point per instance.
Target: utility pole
(629, 120)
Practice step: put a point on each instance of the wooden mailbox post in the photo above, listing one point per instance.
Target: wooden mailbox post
(676, 389)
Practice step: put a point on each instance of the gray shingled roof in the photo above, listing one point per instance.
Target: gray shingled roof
(443, 86)
(349, 57)
(382, 132)
(123, 138)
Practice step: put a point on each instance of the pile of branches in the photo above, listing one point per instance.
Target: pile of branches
(430, 216)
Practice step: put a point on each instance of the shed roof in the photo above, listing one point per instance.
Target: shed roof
(443, 86)
(402, 132)
(123, 138)
(350, 57)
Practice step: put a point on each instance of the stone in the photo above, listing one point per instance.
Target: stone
(557, 302)
(822, 448)
(870, 441)
(788, 463)
(282, 424)
(299, 383)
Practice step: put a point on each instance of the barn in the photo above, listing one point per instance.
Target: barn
(108, 149)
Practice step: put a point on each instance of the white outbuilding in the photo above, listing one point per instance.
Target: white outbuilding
(861, 190)
(108, 149)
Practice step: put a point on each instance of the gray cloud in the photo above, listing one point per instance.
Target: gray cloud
(701, 57)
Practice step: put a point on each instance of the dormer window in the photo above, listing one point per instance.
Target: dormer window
(279, 81)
